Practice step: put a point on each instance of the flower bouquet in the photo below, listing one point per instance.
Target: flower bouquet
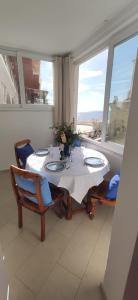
(66, 137)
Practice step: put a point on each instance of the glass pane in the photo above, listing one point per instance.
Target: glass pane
(92, 77)
(38, 81)
(9, 81)
(121, 86)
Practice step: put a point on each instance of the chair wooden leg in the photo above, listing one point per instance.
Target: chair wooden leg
(88, 206)
(92, 211)
(69, 208)
(42, 227)
(20, 216)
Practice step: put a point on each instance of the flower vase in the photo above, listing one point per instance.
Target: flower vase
(66, 150)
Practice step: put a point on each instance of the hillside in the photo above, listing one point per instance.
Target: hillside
(90, 115)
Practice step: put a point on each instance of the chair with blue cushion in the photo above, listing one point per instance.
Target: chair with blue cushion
(34, 193)
(76, 143)
(23, 149)
(105, 193)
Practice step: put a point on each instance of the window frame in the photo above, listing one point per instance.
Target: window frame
(23, 105)
(110, 44)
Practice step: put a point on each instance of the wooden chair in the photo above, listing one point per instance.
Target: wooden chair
(17, 145)
(23, 201)
(96, 194)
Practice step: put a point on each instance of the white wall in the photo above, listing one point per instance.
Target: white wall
(17, 125)
(125, 225)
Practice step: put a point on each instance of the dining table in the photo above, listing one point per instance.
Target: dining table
(77, 177)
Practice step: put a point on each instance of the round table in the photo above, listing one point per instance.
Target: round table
(77, 178)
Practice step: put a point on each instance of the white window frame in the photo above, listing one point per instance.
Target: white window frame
(113, 41)
(23, 105)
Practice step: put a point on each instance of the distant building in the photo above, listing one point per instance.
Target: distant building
(9, 85)
(33, 92)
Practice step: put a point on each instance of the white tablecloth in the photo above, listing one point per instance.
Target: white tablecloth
(78, 178)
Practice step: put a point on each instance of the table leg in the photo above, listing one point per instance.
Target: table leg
(69, 208)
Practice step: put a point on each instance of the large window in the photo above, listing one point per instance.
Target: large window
(92, 76)
(121, 86)
(9, 81)
(38, 81)
(25, 80)
(109, 112)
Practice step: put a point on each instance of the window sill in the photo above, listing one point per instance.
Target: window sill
(108, 146)
(27, 107)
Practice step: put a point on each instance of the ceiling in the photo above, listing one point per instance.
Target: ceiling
(53, 26)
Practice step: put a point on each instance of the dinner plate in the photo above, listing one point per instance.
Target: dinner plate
(94, 162)
(55, 166)
(42, 152)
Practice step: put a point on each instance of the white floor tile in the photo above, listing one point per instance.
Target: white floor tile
(68, 265)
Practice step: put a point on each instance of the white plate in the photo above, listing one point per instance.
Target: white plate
(55, 166)
(94, 162)
(42, 152)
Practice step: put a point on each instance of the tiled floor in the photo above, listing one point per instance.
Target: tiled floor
(69, 265)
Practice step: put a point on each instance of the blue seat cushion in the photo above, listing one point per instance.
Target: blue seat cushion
(24, 152)
(29, 185)
(111, 192)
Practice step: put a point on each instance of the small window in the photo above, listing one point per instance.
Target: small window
(121, 87)
(91, 89)
(38, 81)
(9, 80)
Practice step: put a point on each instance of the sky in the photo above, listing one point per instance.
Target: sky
(92, 76)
